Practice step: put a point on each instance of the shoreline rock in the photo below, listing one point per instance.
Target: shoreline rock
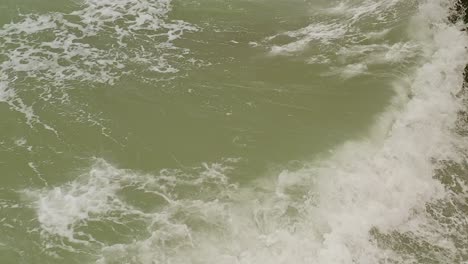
(460, 8)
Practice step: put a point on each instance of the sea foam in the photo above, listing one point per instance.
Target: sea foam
(97, 44)
(375, 200)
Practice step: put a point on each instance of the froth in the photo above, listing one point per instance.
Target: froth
(9, 96)
(368, 187)
(323, 33)
(344, 208)
(58, 51)
(104, 194)
(352, 37)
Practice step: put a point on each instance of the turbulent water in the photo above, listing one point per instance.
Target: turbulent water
(233, 131)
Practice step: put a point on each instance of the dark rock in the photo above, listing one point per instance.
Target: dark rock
(463, 7)
(460, 11)
(465, 74)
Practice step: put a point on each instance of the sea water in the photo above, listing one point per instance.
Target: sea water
(232, 131)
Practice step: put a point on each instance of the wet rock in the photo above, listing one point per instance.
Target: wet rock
(460, 10)
(463, 5)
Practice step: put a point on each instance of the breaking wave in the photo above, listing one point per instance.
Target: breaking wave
(395, 197)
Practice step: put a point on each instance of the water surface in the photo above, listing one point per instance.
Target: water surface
(159, 131)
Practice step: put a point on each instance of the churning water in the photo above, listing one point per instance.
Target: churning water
(233, 131)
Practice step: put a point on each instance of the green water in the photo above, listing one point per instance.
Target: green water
(244, 104)
(217, 93)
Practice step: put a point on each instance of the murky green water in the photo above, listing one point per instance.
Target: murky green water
(158, 131)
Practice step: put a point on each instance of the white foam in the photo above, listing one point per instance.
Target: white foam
(97, 194)
(367, 185)
(61, 209)
(352, 70)
(9, 96)
(319, 59)
(323, 213)
(34, 168)
(358, 10)
(20, 142)
(381, 53)
(381, 183)
(349, 28)
(356, 59)
(321, 32)
(55, 51)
